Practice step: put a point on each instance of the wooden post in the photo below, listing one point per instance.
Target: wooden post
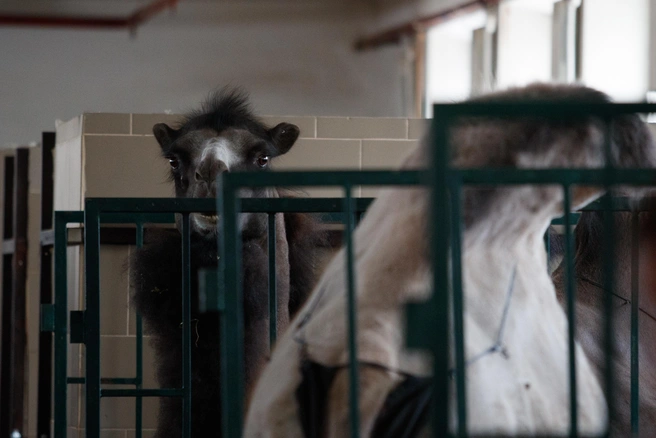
(18, 340)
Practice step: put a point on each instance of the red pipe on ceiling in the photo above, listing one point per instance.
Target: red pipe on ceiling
(133, 20)
(395, 34)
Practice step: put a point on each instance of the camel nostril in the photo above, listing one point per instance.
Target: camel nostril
(198, 176)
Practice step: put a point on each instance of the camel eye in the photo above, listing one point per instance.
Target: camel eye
(175, 164)
(262, 161)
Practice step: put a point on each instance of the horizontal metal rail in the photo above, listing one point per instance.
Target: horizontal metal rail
(553, 110)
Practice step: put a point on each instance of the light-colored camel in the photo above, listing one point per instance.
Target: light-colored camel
(524, 391)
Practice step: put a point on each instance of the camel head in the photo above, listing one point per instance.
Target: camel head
(222, 136)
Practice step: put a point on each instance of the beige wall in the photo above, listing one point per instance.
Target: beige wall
(115, 155)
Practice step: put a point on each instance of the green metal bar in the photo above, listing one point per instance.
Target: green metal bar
(92, 320)
(138, 426)
(635, 321)
(160, 210)
(153, 205)
(458, 307)
(553, 110)
(273, 301)
(351, 312)
(164, 392)
(210, 299)
(610, 176)
(440, 254)
(62, 218)
(186, 326)
(571, 313)
(556, 176)
(104, 380)
(47, 319)
(329, 178)
(135, 218)
(232, 323)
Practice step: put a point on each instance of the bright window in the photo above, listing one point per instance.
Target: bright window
(449, 60)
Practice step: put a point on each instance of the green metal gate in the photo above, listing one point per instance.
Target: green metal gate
(446, 184)
(83, 326)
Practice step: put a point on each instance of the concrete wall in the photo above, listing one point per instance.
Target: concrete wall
(294, 57)
(113, 154)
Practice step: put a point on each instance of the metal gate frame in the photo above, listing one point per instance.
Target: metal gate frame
(446, 184)
(84, 325)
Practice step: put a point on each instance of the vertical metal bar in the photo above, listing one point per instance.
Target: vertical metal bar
(273, 296)
(354, 384)
(139, 341)
(61, 310)
(458, 308)
(186, 326)
(571, 312)
(44, 404)
(232, 323)
(635, 307)
(440, 254)
(92, 317)
(609, 274)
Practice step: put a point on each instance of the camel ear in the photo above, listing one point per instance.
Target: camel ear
(165, 135)
(284, 136)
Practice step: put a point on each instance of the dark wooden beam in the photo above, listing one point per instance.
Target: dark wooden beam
(395, 34)
(18, 306)
(131, 21)
(7, 281)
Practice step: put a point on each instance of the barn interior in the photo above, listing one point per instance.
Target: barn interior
(82, 83)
